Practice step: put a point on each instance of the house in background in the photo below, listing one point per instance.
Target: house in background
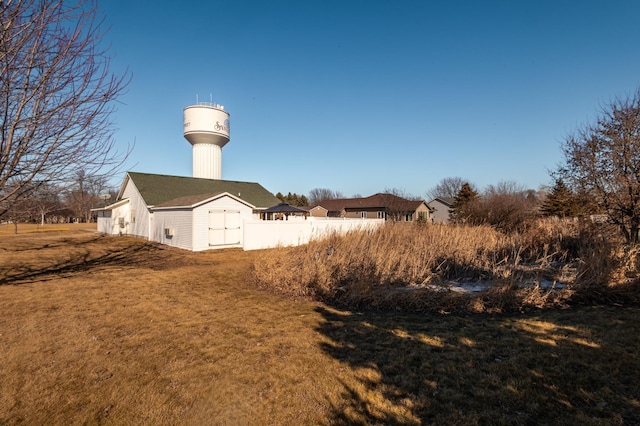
(377, 206)
(317, 211)
(441, 209)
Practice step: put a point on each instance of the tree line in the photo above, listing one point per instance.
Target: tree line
(598, 176)
(57, 96)
(51, 203)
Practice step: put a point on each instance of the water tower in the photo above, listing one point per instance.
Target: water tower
(206, 127)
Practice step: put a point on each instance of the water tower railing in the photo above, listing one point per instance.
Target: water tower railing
(211, 104)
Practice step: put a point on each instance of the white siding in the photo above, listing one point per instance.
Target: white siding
(138, 222)
(441, 211)
(104, 221)
(179, 221)
(201, 220)
(120, 220)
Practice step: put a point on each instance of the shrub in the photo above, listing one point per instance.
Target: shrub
(424, 267)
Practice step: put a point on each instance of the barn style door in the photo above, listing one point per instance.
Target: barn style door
(224, 227)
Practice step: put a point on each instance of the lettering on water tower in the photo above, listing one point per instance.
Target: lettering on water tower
(222, 127)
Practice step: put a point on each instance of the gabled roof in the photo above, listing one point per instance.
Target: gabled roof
(191, 201)
(447, 201)
(158, 189)
(111, 206)
(309, 208)
(186, 201)
(284, 208)
(377, 201)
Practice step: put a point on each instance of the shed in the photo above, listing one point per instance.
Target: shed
(191, 213)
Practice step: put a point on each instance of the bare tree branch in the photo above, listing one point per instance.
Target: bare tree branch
(603, 161)
(447, 188)
(318, 195)
(57, 96)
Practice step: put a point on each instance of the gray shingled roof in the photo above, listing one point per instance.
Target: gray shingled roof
(159, 189)
(285, 208)
(444, 200)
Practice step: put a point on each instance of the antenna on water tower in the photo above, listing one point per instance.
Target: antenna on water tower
(206, 127)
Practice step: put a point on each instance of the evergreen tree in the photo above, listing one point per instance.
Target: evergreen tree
(560, 202)
(464, 199)
(292, 199)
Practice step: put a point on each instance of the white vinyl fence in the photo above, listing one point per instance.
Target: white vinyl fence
(261, 234)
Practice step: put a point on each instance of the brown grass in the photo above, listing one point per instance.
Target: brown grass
(114, 329)
(111, 330)
(417, 268)
(22, 228)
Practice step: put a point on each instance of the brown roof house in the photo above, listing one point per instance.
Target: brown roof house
(377, 206)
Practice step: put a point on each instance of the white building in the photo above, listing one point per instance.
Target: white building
(190, 213)
(205, 212)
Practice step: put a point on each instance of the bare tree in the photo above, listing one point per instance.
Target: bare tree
(508, 206)
(603, 161)
(45, 199)
(448, 187)
(401, 193)
(318, 195)
(56, 96)
(85, 195)
(21, 210)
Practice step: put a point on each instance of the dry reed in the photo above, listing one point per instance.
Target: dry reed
(432, 268)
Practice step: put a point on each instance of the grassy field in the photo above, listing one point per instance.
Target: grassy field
(22, 228)
(107, 330)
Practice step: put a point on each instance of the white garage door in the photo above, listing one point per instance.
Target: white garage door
(224, 227)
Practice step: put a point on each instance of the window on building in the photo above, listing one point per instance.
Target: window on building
(382, 215)
(363, 215)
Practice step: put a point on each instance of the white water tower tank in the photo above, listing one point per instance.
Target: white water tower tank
(206, 127)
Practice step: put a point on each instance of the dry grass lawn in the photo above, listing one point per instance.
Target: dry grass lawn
(107, 330)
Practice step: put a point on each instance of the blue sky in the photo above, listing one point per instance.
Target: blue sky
(359, 96)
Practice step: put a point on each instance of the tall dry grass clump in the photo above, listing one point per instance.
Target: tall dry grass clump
(441, 267)
(608, 269)
(390, 256)
(550, 240)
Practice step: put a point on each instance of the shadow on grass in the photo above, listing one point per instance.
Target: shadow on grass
(570, 367)
(61, 243)
(85, 257)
